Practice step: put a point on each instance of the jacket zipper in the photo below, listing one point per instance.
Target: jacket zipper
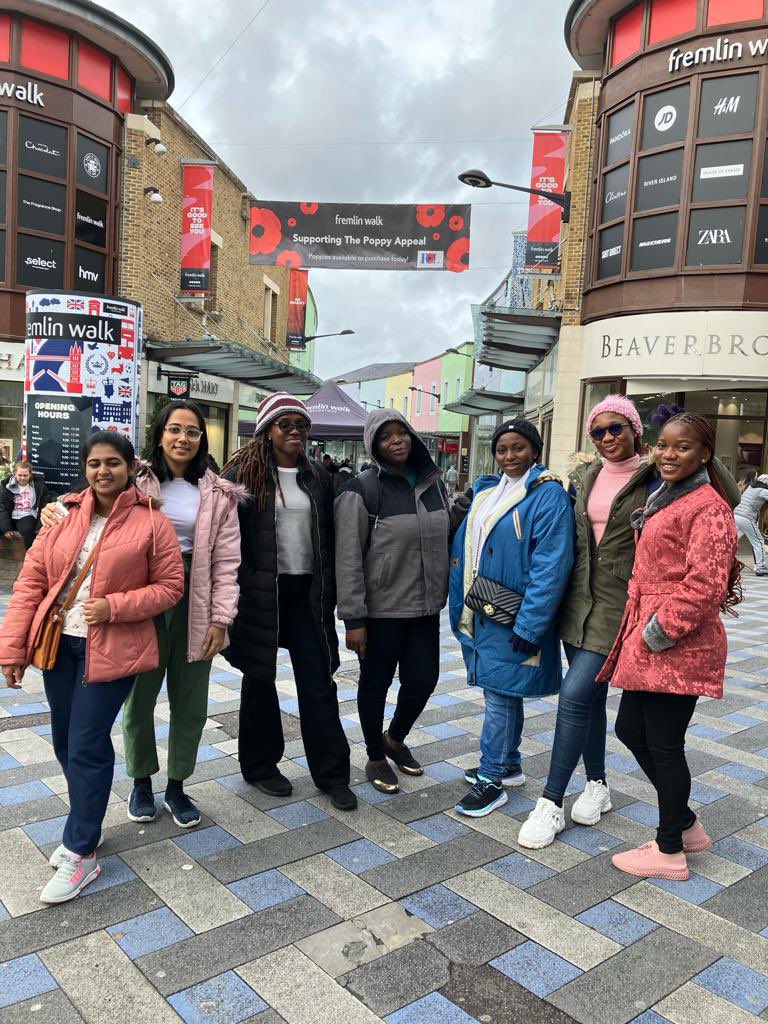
(93, 570)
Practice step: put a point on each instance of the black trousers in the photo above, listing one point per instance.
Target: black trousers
(27, 527)
(260, 742)
(414, 645)
(653, 726)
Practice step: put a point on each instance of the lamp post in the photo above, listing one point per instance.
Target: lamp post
(479, 179)
(335, 334)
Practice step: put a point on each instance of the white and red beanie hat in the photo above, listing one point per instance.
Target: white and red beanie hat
(277, 405)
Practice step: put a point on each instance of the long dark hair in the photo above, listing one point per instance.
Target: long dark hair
(119, 442)
(705, 434)
(195, 470)
(255, 467)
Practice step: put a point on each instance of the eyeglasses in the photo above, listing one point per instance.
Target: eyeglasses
(289, 427)
(193, 433)
(614, 429)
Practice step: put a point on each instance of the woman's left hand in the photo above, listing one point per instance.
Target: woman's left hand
(96, 610)
(213, 642)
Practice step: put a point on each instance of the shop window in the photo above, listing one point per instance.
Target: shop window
(45, 49)
(728, 105)
(615, 188)
(2, 256)
(726, 403)
(610, 251)
(620, 135)
(2, 197)
(41, 205)
(42, 147)
(670, 18)
(90, 219)
(722, 171)
(124, 91)
(726, 12)
(649, 406)
(654, 241)
(90, 271)
(665, 117)
(5, 38)
(39, 262)
(716, 236)
(3, 137)
(658, 180)
(627, 35)
(764, 188)
(761, 243)
(94, 71)
(92, 164)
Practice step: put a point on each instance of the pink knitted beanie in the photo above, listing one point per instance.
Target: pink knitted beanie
(622, 407)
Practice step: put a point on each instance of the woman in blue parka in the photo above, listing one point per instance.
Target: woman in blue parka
(519, 533)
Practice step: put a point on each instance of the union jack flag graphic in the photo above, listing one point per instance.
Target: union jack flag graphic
(124, 391)
(75, 304)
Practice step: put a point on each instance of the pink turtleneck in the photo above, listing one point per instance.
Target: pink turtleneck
(609, 481)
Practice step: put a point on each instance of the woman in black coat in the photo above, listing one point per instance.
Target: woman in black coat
(287, 599)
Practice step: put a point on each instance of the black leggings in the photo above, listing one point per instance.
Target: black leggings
(653, 726)
(414, 644)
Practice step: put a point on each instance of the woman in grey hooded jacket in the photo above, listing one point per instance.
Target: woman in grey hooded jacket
(747, 517)
(392, 543)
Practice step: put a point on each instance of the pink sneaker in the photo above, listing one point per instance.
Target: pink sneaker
(647, 861)
(695, 839)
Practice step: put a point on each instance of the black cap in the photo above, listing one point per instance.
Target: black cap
(523, 427)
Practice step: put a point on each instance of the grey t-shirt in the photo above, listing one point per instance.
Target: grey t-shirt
(295, 556)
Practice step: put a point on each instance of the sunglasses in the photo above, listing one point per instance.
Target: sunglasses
(614, 429)
(289, 427)
(193, 433)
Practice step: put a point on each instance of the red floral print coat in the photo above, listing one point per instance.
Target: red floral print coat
(682, 565)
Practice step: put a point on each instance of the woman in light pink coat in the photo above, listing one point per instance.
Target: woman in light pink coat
(203, 509)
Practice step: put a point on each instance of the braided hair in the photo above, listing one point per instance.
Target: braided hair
(255, 467)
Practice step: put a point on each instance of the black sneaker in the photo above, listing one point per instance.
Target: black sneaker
(510, 779)
(382, 777)
(343, 798)
(141, 803)
(483, 798)
(273, 785)
(402, 757)
(181, 808)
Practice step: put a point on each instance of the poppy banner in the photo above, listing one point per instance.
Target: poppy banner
(297, 310)
(196, 228)
(550, 150)
(349, 236)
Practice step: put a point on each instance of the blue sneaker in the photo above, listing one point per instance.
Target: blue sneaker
(483, 798)
(182, 810)
(141, 803)
(515, 778)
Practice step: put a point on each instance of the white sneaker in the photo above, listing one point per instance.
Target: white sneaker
(592, 804)
(542, 825)
(72, 876)
(60, 852)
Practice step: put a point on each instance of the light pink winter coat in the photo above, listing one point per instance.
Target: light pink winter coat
(213, 587)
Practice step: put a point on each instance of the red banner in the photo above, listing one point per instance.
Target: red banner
(297, 309)
(196, 228)
(550, 151)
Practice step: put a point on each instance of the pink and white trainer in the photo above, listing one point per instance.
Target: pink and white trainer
(647, 861)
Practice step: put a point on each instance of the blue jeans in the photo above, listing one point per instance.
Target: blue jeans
(500, 738)
(581, 722)
(82, 716)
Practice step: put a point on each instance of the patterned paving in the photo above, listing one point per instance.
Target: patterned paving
(292, 911)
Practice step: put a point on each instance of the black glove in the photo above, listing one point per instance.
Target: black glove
(523, 646)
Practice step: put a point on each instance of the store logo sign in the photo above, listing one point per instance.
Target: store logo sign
(613, 251)
(714, 236)
(611, 197)
(41, 264)
(727, 105)
(723, 171)
(665, 118)
(30, 92)
(92, 165)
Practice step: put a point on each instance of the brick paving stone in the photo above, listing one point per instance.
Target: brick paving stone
(49, 1008)
(489, 996)
(399, 978)
(431, 1009)
(692, 1004)
(744, 902)
(583, 886)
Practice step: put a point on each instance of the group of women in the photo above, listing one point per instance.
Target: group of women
(259, 557)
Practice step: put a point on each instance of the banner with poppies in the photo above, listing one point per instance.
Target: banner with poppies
(196, 228)
(350, 236)
(550, 151)
(298, 285)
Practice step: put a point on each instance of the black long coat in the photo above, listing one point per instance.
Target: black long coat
(254, 633)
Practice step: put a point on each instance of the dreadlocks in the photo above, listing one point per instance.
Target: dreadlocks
(255, 467)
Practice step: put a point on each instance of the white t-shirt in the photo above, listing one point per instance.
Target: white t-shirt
(74, 623)
(295, 555)
(23, 502)
(181, 501)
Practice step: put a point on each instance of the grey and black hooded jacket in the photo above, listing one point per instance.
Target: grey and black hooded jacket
(403, 574)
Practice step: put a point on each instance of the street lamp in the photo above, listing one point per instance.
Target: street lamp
(336, 334)
(429, 394)
(458, 352)
(479, 179)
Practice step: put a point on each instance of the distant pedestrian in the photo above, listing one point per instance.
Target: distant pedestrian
(22, 497)
(511, 562)
(671, 648)
(747, 515)
(111, 564)
(451, 478)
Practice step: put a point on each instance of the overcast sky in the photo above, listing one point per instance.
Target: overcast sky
(446, 84)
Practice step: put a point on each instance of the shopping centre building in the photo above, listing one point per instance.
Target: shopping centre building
(675, 294)
(88, 143)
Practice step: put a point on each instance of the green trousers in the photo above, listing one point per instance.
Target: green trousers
(187, 699)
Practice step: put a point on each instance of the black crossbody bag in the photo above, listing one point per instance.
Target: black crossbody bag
(496, 602)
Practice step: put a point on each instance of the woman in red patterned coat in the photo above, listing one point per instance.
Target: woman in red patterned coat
(671, 648)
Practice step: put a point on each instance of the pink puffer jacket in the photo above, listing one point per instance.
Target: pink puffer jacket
(213, 587)
(137, 568)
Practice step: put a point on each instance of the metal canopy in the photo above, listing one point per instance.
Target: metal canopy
(513, 339)
(478, 402)
(235, 362)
